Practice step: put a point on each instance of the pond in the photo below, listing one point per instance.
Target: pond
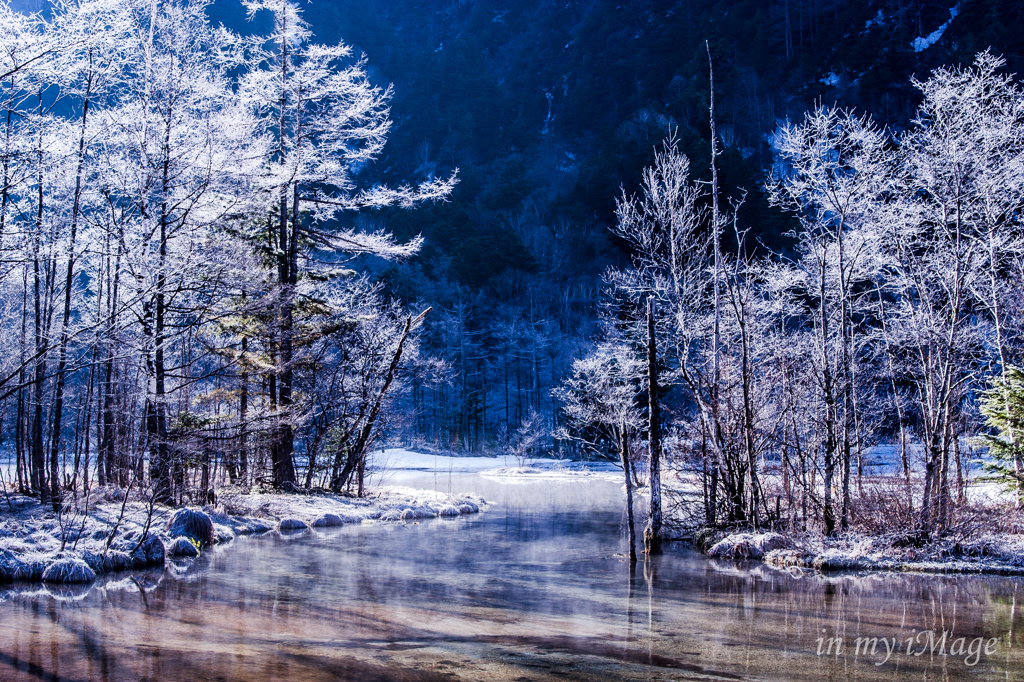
(535, 588)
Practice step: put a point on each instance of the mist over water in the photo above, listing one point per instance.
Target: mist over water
(535, 588)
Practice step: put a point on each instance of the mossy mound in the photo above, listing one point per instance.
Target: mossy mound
(183, 547)
(69, 571)
(292, 525)
(748, 545)
(12, 568)
(328, 520)
(192, 523)
(151, 551)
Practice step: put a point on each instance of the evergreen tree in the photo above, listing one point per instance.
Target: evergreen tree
(1003, 408)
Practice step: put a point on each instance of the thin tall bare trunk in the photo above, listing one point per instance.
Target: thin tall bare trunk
(716, 350)
(652, 534)
(62, 352)
(624, 458)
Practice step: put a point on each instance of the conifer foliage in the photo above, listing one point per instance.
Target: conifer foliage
(1003, 407)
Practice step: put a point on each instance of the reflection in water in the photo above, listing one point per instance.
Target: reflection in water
(533, 589)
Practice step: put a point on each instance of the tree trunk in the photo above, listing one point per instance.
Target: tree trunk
(24, 465)
(156, 408)
(243, 410)
(831, 407)
(716, 380)
(930, 484)
(108, 435)
(39, 482)
(624, 458)
(652, 534)
(62, 352)
(283, 449)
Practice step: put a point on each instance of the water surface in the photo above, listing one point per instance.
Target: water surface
(535, 588)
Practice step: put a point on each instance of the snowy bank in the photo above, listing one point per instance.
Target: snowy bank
(108, 534)
(383, 504)
(748, 545)
(992, 554)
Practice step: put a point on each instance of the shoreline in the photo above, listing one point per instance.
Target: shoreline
(104, 534)
(31, 537)
(994, 554)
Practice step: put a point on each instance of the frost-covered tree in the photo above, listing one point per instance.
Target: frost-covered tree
(87, 70)
(710, 335)
(178, 161)
(836, 165)
(142, 149)
(664, 227)
(323, 120)
(600, 401)
(901, 291)
(950, 239)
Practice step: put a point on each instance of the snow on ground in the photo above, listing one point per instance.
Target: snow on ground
(554, 470)
(397, 459)
(989, 554)
(506, 469)
(385, 504)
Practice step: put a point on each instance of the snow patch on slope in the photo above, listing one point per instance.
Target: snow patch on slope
(920, 44)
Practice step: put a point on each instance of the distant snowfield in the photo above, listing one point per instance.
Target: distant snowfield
(506, 469)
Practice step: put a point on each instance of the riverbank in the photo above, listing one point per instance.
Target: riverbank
(105, 533)
(991, 554)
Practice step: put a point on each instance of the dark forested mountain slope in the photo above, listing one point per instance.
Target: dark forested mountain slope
(548, 108)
